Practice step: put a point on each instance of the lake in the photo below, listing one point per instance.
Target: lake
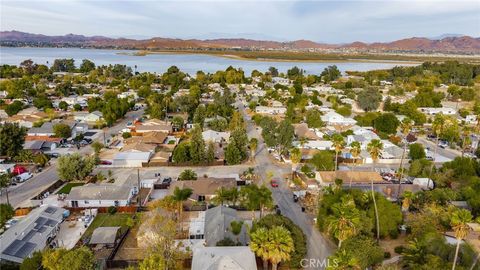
(189, 63)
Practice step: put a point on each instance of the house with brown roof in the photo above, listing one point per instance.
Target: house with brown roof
(203, 188)
(327, 178)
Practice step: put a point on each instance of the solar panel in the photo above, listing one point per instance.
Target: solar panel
(25, 250)
(51, 223)
(29, 235)
(50, 210)
(40, 222)
(13, 248)
(42, 229)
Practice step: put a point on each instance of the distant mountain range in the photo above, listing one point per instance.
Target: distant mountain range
(449, 43)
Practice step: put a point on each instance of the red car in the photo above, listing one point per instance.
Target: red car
(274, 183)
(105, 162)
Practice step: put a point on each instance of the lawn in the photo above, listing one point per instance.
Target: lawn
(66, 189)
(107, 220)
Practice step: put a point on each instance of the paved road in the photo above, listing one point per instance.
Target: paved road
(447, 152)
(319, 247)
(19, 195)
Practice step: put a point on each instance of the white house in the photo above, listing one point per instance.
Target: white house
(131, 159)
(434, 111)
(280, 80)
(270, 110)
(333, 118)
(88, 117)
(100, 195)
(471, 119)
(216, 258)
(316, 144)
(32, 233)
(215, 136)
(129, 95)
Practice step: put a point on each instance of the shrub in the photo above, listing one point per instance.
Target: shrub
(112, 210)
(126, 135)
(387, 255)
(399, 249)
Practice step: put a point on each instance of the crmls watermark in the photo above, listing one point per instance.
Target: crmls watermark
(318, 263)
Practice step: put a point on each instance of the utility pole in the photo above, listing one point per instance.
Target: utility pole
(139, 200)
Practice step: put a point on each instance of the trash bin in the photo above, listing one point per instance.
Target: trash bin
(303, 209)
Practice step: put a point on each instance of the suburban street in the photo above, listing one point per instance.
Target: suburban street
(20, 194)
(319, 248)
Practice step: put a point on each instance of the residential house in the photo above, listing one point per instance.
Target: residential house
(222, 258)
(100, 195)
(154, 125)
(327, 178)
(130, 94)
(32, 233)
(27, 120)
(434, 111)
(280, 80)
(303, 131)
(217, 226)
(215, 136)
(132, 159)
(203, 188)
(332, 118)
(271, 110)
(471, 119)
(38, 146)
(87, 117)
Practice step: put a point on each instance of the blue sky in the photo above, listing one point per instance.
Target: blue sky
(322, 21)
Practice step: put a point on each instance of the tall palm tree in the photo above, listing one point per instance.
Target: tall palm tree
(180, 196)
(374, 148)
(5, 180)
(280, 245)
(459, 224)
(344, 222)
(355, 150)
(253, 147)
(405, 128)
(338, 143)
(258, 244)
(296, 157)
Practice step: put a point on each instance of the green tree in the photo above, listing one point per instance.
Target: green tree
(233, 155)
(323, 161)
(63, 105)
(6, 213)
(153, 261)
(177, 122)
(5, 181)
(416, 151)
(285, 135)
(253, 147)
(14, 107)
(338, 142)
(374, 148)
(187, 175)
(75, 167)
(369, 99)
(387, 123)
(364, 250)
(87, 66)
(12, 138)
(62, 130)
(344, 222)
(76, 259)
(97, 147)
(330, 73)
(180, 196)
(459, 223)
(313, 119)
(33, 262)
(236, 227)
(197, 146)
(210, 154)
(181, 153)
(274, 245)
(254, 197)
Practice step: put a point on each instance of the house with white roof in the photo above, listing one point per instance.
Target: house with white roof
(222, 258)
(271, 110)
(88, 117)
(334, 118)
(434, 111)
(131, 159)
(100, 195)
(215, 136)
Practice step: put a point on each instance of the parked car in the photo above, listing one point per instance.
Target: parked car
(167, 181)
(10, 223)
(23, 177)
(295, 198)
(274, 183)
(53, 155)
(105, 162)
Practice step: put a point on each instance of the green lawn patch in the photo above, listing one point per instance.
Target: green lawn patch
(66, 189)
(108, 220)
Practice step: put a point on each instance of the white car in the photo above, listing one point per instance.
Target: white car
(24, 177)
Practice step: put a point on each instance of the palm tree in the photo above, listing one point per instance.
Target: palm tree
(459, 223)
(258, 244)
(338, 143)
(405, 128)
(438, 126)
(355, 150)
(221, 195)
(296, 157)
(344, 222)
(465, 139)
(253, 147)
(374, 148)
(265, 199)
(343, 261)
(407, 200)
(5, 180)
(280, 245)
(180, 196)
